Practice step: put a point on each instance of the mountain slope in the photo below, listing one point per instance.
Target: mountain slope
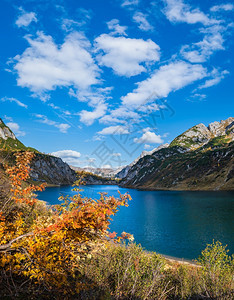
(124, 171)
(200, 135)
(44, 167)
(8, 140)
(199, 159)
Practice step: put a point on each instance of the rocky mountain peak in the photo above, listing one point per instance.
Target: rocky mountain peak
(221, 128)
(200, 134)
(5, 131)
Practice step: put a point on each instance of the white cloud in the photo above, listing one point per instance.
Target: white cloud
(216, 77)
(120, 115)
(92, 96)
(65, 112)
(61, 126)
(127, 3)
(25, 18)
(197, 97)
(114, 130)
(69, 156)
(149, 137)
(168, 78)
(201, 51)
(116, 28)
(178, 11)
(109, 119)
(15, 128)
(90, 159)
(54, 106)
(69, 24)
(83, 16)
(8, 118)
(142, 22)
(116, 154)
(124, 112)
(88, 117)
(44, 65)
(96, 98)
(126, 56)
(225, 7)
(106, 166)
(4, 99)
(149, 108)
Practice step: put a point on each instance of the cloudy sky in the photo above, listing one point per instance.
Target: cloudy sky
(98, 82)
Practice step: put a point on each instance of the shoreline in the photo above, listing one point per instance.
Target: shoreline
(179, 260)
(172, 190)
(143, 189)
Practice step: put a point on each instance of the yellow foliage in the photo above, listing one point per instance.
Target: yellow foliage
(52, 249)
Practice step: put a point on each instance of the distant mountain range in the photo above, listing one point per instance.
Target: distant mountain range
(201, 158)
(104, 172)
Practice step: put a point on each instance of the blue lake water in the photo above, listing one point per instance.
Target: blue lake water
(174, 223)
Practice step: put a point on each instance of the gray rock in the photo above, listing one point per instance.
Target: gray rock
(52, 170)
(5, 132)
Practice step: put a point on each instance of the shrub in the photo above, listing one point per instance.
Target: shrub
(217, 271)
(46, 249)
(128, 272)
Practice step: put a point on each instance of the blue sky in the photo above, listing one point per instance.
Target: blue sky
(98, 82)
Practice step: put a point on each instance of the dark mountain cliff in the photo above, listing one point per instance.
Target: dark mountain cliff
(44, 168)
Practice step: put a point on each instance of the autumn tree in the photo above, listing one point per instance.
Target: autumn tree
(50, 250)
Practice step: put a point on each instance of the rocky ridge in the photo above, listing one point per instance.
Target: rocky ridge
(199, 159)
(200, 134)
(44, 168)
(51, 169)
(5, 132)
(123, 172)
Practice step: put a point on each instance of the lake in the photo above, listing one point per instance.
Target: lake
(174, 223)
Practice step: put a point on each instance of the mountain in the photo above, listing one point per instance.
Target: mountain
(200, 135)
(8, 140)
(93, 179)
(44, 167)
(201, 158)
(124, 171)
(103, 172)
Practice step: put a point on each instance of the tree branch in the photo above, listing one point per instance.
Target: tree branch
(7, 246)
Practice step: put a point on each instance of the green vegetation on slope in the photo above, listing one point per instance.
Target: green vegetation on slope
(218, 141)
(187, 141)
(207, 168)
(11, 144)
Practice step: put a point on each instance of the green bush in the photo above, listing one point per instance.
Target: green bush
(216, 271)
(129, 272)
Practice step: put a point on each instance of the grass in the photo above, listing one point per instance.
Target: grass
(129, 272)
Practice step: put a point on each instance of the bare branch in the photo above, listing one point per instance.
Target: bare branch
(7, 246)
